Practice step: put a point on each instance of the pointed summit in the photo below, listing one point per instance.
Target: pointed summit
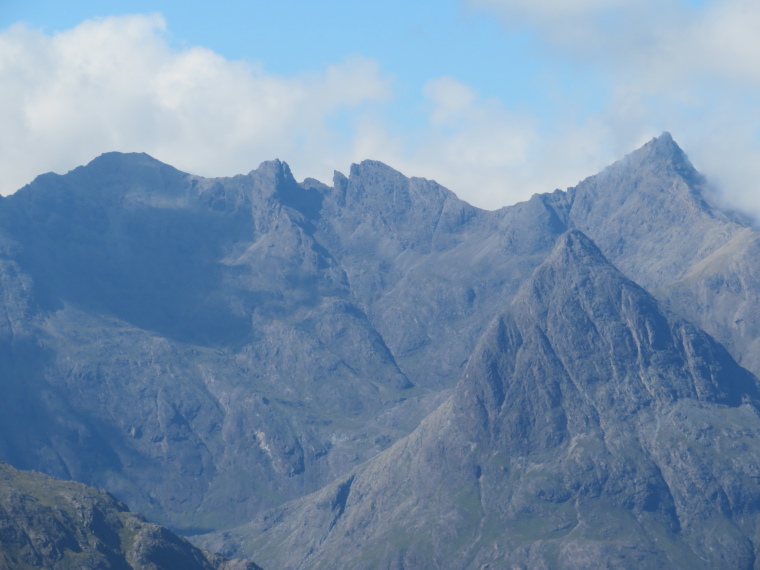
(648, 215)
(574, 247)
(589, 311)
(662, 146)
(375, 197)
(663, 154)
(562, 446)
(276, 170)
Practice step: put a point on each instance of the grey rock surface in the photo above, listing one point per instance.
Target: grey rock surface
(58, 525)
(208, 348)
(651, 215)
(205, 348)
(589, 429)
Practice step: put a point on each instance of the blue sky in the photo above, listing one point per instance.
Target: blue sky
(496, 99)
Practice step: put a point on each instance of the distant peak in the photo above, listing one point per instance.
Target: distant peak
(574, 246)
(372, 167)
(114, 166)
(276, 169)
(663, 149)
(275, 165)
(115, 157)
(664, 144)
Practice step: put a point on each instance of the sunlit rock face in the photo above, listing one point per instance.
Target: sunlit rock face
(208, 349)
(589, 429)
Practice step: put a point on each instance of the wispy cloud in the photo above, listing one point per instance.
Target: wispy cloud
(693, 69)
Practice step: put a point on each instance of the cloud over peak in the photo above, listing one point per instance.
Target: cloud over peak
(116, 84)
(608, 75)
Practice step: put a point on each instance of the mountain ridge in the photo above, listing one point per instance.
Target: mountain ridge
(210, 348)
(536, 436)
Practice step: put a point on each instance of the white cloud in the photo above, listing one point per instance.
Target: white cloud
(114, 84)
(668, 65)
(485, 153)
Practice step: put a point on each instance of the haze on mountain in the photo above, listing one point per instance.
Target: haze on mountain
(588, 430)
(208, 349)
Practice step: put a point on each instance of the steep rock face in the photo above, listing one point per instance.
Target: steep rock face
(650, 215)
(427, 267)
(204, 348)
(46, 523)
(723, 291)
(589, 429)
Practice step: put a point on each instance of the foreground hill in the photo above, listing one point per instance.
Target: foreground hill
(60, 525)
(590, 429)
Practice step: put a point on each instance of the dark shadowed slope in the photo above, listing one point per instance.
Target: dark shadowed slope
(45, 523)
(589, 430)
(207, 348)
(204, 348)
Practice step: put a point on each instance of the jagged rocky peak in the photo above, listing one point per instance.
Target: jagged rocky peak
(574, 249)
(665, 150)
(376, 199)
(648, 215)
(656, 169)
(586, 307)
(275, 168)
(563, 446)
(581, 344)
(376, 187)
(662, 153)
(274, 181)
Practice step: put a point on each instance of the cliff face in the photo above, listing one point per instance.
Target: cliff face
(589, 429)
(207, 349)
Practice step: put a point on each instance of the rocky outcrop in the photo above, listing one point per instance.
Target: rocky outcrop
(45, 523)
(205, 348)
(589, 429)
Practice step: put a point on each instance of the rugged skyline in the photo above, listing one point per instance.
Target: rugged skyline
(281, 365)
(588, 430)
(494, 99)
